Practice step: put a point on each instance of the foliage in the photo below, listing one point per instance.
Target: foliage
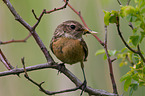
(135, 16)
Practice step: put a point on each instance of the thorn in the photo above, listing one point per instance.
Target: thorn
(42, 83)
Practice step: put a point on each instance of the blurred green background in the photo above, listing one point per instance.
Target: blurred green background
(96, 68)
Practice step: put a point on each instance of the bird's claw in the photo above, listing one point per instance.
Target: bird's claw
(83, 87)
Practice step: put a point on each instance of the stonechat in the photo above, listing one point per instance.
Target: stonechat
(68, 45)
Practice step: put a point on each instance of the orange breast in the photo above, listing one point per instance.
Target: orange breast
(68, 50)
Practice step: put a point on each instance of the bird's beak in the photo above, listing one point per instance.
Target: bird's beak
(88, 31)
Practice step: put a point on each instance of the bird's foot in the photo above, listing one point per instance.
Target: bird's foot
(61, 66)
(83, 87)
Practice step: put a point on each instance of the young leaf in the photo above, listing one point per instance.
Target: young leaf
(106, 17)
(113, 16)
(134, 86)
(125, 77)
(101, 51)
(127, 83)
(113, 52)
(126, 10)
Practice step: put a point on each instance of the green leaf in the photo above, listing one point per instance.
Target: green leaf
(141, 83)
(107, 17)
(135, 30)
(136, 57)
(113, 52)
(126, 10)
(121, 64)
(125, 77)
(135, 77)
(101, 51)
(134, 86)
(127, 83)
(139, 65)
(105, 57)
(128, 18)
(123, 49)
(112, 19)
(133, 19)
(113, 16)
(135, 40)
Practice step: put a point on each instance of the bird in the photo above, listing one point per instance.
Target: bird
(68, 45)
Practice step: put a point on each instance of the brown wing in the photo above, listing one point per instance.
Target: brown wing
(52, 44)
(85, 49)
(51, 47)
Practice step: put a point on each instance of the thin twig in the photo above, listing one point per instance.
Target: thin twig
(31, 30)
(119, 2)
(110, 64)
(4, 60)
(120, 34)
(140, 54)
(105, 41)
(35, 14)
(130, 25)
(15, 41)
(38, 19)
(113, 59)
(80, 16)
(66, 72)
(60, 8)
(40, 84)
(131, 62)
(47, 12)
(23, 63)
(134, 51)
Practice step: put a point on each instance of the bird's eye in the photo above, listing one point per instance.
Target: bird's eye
(72, 26)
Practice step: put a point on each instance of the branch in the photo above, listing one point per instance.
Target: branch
(134, 51)
(47, 12)
(110, 64)
(31, 30)
(131, 62)
(40, 85)
(4, 60)
(140, 54)
(119, 2)
(65, 71)
(130, 25)
(120, 34)
(15, 41)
